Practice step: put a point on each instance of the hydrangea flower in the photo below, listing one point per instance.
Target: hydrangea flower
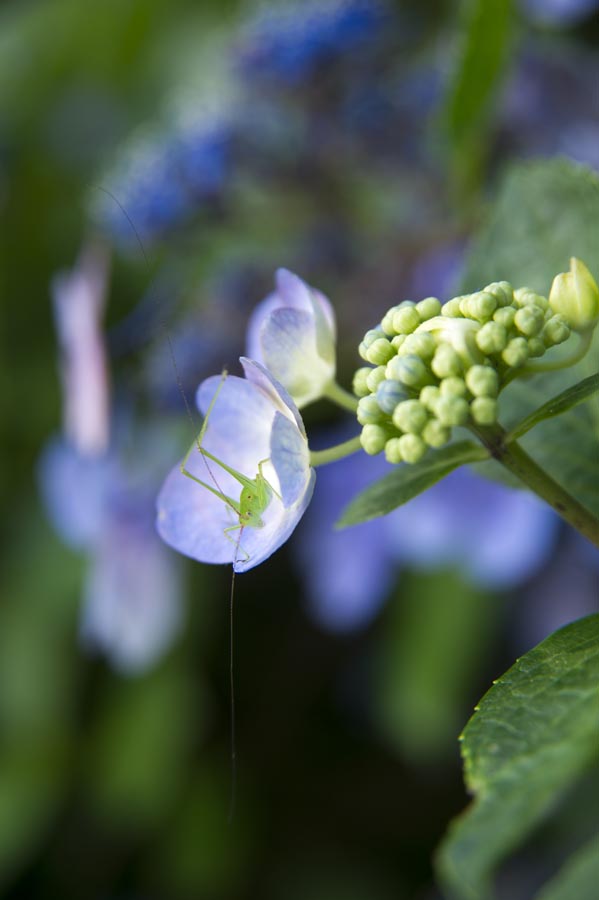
(254, 426)
(292, 333)
(96, 502)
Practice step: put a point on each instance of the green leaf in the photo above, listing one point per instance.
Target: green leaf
(546, 212)
(407, 481)
(568, 399)
(578, 878)
(532, 735)
(486, 31)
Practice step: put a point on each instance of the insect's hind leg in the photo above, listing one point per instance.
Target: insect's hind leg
(200, 437)
(237, 542)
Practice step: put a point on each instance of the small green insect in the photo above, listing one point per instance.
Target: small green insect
(256, 493)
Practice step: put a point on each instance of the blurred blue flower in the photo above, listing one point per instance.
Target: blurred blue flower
(497, 535)
(291, 43)
(97, 500)
(559, 12)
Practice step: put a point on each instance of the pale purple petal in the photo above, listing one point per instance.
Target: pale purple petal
(132, 607)
(257, 374)
(289, 345)
(290, 457)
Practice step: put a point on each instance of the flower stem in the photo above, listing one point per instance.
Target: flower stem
(340, 396)
(332, 454)
(584, 342)
(511, 455)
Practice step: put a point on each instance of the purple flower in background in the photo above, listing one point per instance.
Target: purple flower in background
(559, 12)
(292, 333)
(254, 428)
(498, 536)
(98, 503)
(291, 42)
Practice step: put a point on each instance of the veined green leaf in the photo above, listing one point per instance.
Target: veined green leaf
(407, 481)
(533, 734)
(558, 405)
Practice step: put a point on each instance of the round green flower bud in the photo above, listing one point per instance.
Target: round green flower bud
(428, 308)
(502, 291)
(482, 381)
(529, 320)
(373, 439)
(422, 345)
(380, 352)
(410, 370)
(406, 320)
(410, 416)
(398, 341)
(492, 337)
(575, 296)
(359, 385)
(389, 394)
(387, 321)
(392, 451)
(369, 412)
(479, 306)
(446, 362)
(369, 338)
(484, 410)
(411, 447)
(453, 387)
(525, 297)
(374, 378)
(429, 396)
(516, 352)
(555, 331)
(505, 316)
(536, 347)
(435, 434)
(452, 308)
(452, 410)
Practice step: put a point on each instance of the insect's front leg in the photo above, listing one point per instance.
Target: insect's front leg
(237, 542)
(265, 479)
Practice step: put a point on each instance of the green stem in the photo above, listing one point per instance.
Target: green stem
(340, 396)
(332, 454)
(583, 345)
(519, 463)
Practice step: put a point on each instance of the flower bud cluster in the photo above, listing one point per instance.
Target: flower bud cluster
(433, 367)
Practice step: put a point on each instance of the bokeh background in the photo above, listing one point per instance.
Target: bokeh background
(191, 148)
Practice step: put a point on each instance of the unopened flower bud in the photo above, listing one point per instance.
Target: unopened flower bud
(374, 378)
(389, 394)
(482, 381)
(373, 439)
(435, 434)
(410, 416)
(452, 410)
(492, 337)
(451, 309)
(575, 296)
(406, 319)
(369, 412)
(392, 451)
(428, 308)
(369, 338)
(446, 362)
(410, 370)
(479, 306)
(525, 297)
(484, 410)
(555, 331)
(359, 384)
(380, 352)
(429, 396)
(502, 291)
(387, 321)
(529, 320)
(411, 447)
(421, 344)
(453, 387)
(398, 341)
(457, 333)
(505, 316)
(516, 352)
(536, 347)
